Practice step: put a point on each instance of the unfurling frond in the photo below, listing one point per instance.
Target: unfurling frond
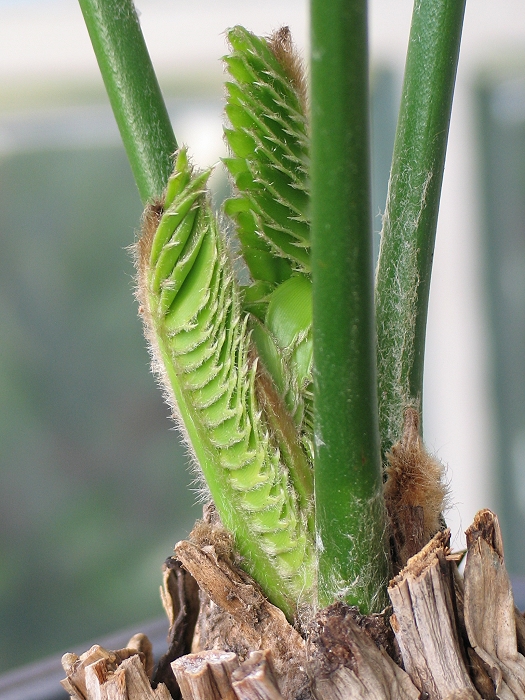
(203, 352)
(268, 139)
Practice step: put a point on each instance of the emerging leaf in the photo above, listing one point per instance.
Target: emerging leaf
(269, 164)
(203, 353)
(266, 106)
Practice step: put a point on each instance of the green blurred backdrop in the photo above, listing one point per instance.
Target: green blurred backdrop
(95, 487)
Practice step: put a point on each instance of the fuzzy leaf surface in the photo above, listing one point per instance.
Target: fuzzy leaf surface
(268, 139)
(204, 354)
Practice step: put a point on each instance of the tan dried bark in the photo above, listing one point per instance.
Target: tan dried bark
(490, 613)
(255, 678)
(180, 597)
(217, 675)
(345, 664)
(206, 675)
(99, 674)
(237, 617)
(460, 638)
(425, 623)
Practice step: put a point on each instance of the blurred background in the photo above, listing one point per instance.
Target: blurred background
(94, 487)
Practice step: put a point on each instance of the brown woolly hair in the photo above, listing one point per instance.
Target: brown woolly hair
(415, 493)
(282, 47)
(142, 248)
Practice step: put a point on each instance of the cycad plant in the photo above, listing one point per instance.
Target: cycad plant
(298, 385)
(290, 384)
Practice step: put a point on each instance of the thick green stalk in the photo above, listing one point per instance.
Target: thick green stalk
(133, 91)
(349, 511)
(409, 224)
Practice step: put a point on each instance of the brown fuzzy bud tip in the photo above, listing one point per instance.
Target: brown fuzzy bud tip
(210, 532)
(415, 494)
(282, 47)
(150, 221)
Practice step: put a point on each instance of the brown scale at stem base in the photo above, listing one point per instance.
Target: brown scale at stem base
(415, 494)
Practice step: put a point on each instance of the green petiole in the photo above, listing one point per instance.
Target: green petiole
(410, 221)
(133, 91)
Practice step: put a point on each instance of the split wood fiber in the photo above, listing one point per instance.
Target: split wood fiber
(344, 662)
(235, 615)
(99, 674)
(490, 613)
(215, 675)
(180, 598)
(206, 675)
(255, 679)
(424, 622)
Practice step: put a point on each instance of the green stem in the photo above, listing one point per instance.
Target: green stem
(349, 512)
(133, 91)
(409, 224)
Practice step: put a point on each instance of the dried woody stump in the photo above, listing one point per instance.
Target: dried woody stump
(456, 638)
(346, 662)
(206, 675)
(490, 613)
(424, 622)
(113, 675)
(235, 616)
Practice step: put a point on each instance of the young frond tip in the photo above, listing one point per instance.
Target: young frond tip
(281, 45)
(267, 135)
